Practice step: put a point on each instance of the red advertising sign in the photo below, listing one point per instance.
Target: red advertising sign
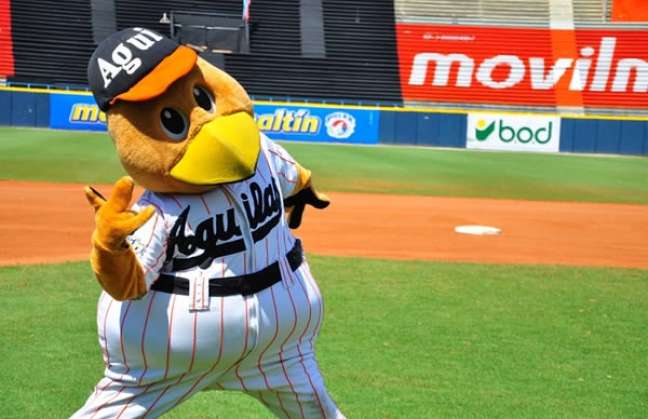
(605, 68)
(629, 11)
(6, 44)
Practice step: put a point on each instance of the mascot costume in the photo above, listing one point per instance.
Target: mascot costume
(204, 285)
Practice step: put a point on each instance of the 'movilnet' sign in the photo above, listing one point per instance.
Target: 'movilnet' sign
(78, 112)
(280, 122)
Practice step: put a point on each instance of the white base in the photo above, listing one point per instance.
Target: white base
(478, 230)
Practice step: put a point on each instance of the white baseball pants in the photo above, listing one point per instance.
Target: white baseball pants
(158, 353)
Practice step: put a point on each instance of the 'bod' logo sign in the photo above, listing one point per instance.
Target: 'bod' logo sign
(513, 132)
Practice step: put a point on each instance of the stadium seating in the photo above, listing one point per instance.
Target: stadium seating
(53, 40)
(355, 61)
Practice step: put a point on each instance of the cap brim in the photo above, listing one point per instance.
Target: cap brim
(170, 69)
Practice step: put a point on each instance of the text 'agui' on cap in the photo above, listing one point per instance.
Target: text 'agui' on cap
(136, 64)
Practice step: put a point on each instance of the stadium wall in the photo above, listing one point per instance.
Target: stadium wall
(491, 130)
(24, 108)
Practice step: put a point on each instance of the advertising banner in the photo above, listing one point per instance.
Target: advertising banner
(323, 124)
(604, 68)
(629, 11)
(492, 131)
(279, 122)
(76, 112)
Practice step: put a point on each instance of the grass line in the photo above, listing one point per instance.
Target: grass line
(400, 340)
(67, 156)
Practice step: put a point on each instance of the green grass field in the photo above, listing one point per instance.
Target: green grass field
(400, 339)
(88, 157)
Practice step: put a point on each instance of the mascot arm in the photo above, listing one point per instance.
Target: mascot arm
(113, 261)
(296, 185)
(304, 194)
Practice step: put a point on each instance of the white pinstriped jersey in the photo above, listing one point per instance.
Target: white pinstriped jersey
(229, 231)
(161, 349)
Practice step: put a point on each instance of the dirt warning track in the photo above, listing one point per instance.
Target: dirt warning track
(47, 222)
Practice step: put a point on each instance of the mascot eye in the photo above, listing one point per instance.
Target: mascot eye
(174, 124)
(203, 98)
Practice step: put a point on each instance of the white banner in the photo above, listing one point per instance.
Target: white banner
(492, 131)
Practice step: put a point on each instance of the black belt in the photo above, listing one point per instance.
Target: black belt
(237, 285)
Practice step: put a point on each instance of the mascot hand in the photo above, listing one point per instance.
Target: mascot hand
(113, 220)
(296, 204)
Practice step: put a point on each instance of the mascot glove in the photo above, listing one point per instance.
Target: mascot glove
(113, 220)
(296, 203)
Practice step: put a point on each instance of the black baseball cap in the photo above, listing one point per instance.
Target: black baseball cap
(136, 64)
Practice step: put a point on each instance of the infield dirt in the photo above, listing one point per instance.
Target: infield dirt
(48, 222)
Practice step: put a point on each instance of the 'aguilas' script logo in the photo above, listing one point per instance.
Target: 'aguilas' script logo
(214, 234)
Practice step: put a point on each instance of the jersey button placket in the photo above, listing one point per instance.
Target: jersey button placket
(199, 292)
(253, 310)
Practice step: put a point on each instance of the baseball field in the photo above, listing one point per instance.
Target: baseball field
(546, 320)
